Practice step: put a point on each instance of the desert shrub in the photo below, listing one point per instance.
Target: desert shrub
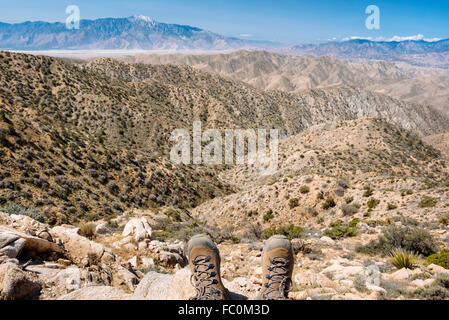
(427, 202)
(254, 232)
(236, 239)
(304, 189)
(174, 214)
(291, 231)
(312, 211)
(413, 239)
(441, 258)
(444, 220)
(368, 192)
(338, 230)
(401, 258)
(268, 215)
(112, 225)
(329, 203)
(353, 223)
(372, 203)
(439, 290)
(87, 230)
(360, 283)
(251, 213)
(293, 203)
(320, 195)
(154, 268)
(391, 206)
(348, 200)
(31, 212)
(350, 209)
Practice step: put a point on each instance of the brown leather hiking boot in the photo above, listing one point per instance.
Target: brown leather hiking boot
(204, 262)
(277, 268)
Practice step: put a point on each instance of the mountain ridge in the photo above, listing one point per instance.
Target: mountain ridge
(136, 32)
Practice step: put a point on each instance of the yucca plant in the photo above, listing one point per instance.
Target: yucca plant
(401, 258)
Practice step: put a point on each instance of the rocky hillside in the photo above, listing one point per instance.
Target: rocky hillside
(52, 162)
(439, 141)
(271, 71)
(433, 91)
(234, 104)
(335, 160)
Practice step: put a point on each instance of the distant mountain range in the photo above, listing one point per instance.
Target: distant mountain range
(423, 53)
(144, 33)
(137, 32)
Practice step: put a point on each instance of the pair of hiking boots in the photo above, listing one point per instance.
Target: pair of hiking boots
(204, 262)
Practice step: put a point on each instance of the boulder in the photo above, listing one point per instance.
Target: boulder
(158, 286)
(169, 259)
(402, 274)
(126, 278)
(32, 243)
(15, 284)
(436, 269)
(341, 272)
(139, 228)
(70, 278)
(79, 249)
(96, 293)
(421, 283)
(102, 229)
(327, 240)
(7, 238)
(13, 249)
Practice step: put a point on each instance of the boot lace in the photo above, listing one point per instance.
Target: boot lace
(278, 280)
(203, 280)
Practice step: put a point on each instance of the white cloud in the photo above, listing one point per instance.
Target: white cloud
(417, 37)
(245, 35)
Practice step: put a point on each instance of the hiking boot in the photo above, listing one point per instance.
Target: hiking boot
(277, 268)
(204, 262)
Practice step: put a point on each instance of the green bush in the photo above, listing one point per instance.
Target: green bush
(391, 206)
(412, 239)
(372, 203)
(112, 225)
(31, 212)
(293, 203)
(268, 216)
(444, 220)
(87, 230)
(291, 231)
(439, 290)
(353, 222)
(441, 259)
(236, 239)
(427, 202)
(329, 203)
(340, 231)
(368, 192)
(401, 258)
(304, 189)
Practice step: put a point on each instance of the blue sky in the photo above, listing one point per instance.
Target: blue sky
(288, 21)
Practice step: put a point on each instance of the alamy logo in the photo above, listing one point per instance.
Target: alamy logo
(373, 20)
(188, 150)
(73, 20)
